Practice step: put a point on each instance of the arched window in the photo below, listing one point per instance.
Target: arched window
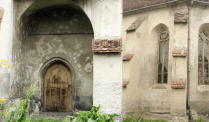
(203, 58)
(163, 57)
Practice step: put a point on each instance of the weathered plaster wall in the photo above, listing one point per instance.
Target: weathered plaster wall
(18, 53)
(155, 101)
(73, 48)
(107, 23)
(47, 30)
(59, 20)
(179, 70)
(6, 33)
(106, 19)
(22, 6)
(198, 93)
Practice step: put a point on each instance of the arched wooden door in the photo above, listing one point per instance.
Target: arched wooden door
(58, 88)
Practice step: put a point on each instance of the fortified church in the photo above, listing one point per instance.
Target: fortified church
(150, 55)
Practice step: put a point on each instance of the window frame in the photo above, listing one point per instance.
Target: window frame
(202, 62)
(163, 41)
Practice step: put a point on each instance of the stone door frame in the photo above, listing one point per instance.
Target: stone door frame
(43, 70)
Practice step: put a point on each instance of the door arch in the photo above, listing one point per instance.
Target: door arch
(58, 88)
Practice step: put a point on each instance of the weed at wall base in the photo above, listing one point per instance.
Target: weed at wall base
(20, 111)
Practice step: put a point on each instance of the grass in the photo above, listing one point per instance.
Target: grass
(136, 117)
(139, 119)
(47, 120)
(128, 119)
(200, 119)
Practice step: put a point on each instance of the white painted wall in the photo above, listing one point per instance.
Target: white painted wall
(107, 87)
(6, 35)
(6, 31)
(107, 18)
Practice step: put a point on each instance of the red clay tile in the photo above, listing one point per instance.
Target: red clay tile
(105, 46)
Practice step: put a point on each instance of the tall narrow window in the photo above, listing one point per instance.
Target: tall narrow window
(163, 57)
(203, 58)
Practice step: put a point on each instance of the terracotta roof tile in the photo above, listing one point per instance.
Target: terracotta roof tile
(137, 4)
(106, 46)
(181, 17)
(127, 57)
(137, 23)
(1, 15)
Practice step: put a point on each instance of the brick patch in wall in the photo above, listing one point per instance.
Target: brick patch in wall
(181, 17)
(178, 83)
(125, 83)
(179, 52)
(137, 23)
(127, 57)
(1, 15)
(106, 46)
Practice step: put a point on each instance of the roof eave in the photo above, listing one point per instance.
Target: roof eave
(161, 5)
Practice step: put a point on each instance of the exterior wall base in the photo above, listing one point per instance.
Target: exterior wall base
(195, 115)
(107, 86)
(156, 116)
(179, 119)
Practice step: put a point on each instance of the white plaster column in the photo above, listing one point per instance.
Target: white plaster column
(6, 36)
(106, 18)
(6, 30)
(179, 68)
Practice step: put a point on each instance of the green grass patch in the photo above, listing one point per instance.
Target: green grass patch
(136, 117)
(47, 120)
(200, 119)
(139, 119)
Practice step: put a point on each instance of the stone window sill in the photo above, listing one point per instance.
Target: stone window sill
(159, 86)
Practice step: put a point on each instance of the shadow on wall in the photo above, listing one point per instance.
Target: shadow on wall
(54, 29)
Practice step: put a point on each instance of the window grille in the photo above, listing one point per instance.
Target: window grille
(163, 57)
(203, 58)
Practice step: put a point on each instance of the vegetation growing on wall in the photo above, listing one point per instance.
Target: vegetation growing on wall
(4, 67)
(21, 110)
(94, 115)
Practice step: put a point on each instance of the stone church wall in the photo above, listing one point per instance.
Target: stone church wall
(52, 32)
(141, 31)
(198, 92)
(25, 43)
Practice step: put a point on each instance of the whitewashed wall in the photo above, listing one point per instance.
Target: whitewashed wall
(6, 34)
(6, 29)
(107, 24)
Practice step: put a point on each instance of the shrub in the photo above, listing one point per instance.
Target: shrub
(22, 108)
(200, 119)
(2, 102)
(4, 67)
(94, 115)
